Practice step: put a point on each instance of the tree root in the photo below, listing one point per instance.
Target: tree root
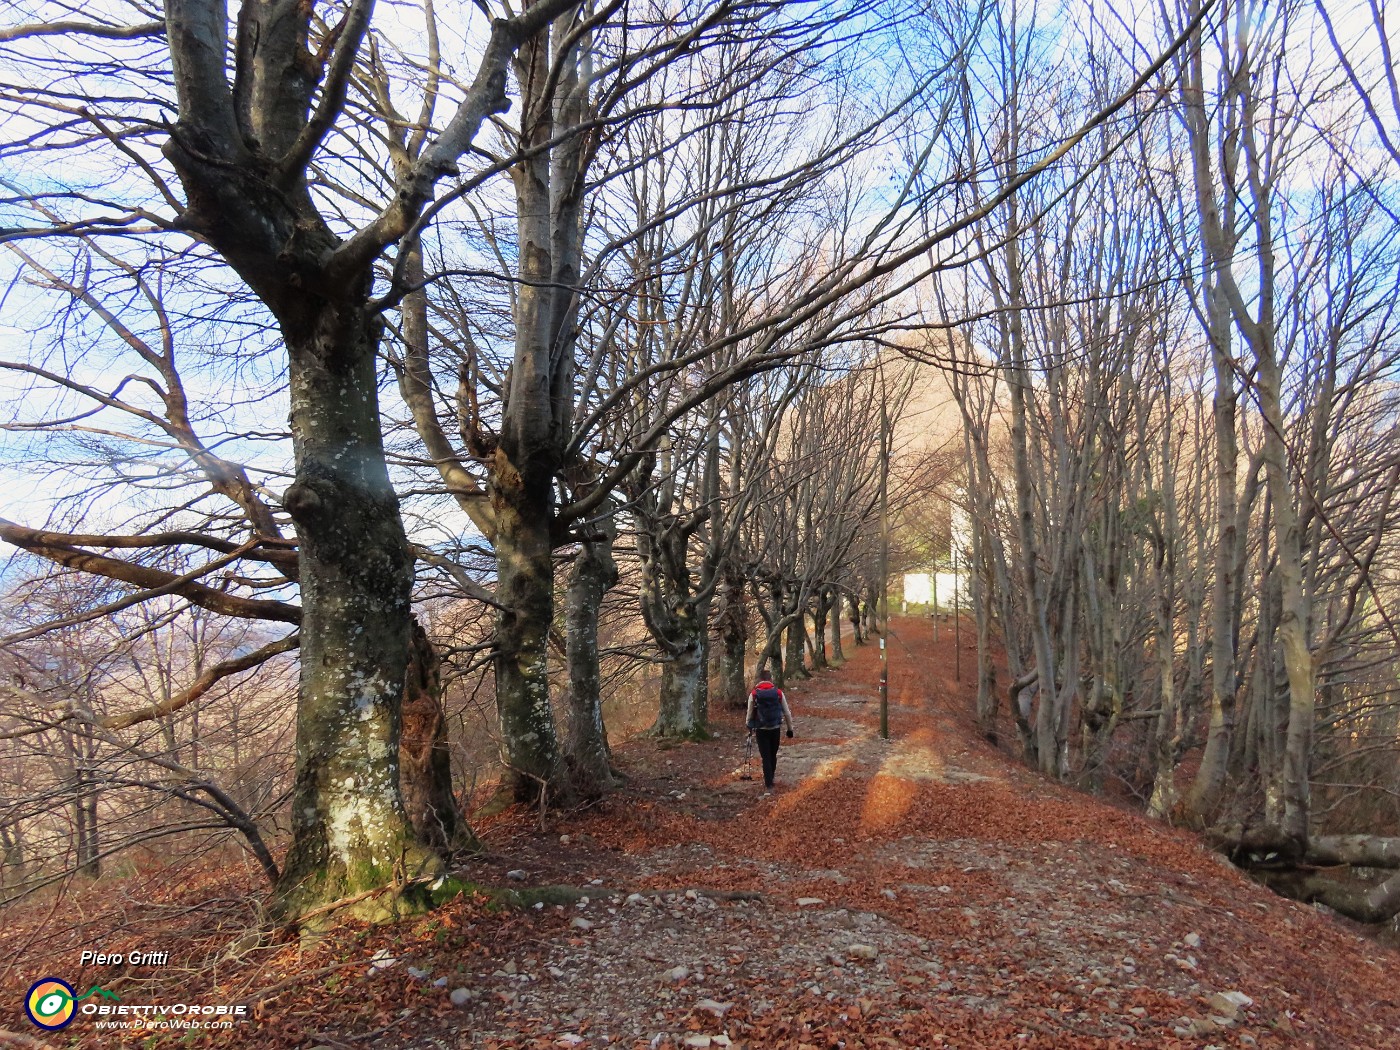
(1369, 904)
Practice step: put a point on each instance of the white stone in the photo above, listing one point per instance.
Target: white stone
(1225, 1007)
(809, 902)
(381, 960)
(676, 973)
(866, 952)
(1192, 940)
(698, 1042)
(716, 1008)
(517, 874)
(581, 923)
(460, 996)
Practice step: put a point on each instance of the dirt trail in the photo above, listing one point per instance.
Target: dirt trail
(922, 891)
(926, 891)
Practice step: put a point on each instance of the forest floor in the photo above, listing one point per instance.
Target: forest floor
(925, 891)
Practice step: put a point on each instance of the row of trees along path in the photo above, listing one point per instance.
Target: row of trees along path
(923, 891)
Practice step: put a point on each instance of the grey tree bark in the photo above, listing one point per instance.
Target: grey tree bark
(732, 625)
(243, 152)
(586, 739)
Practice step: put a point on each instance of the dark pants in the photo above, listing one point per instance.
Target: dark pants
(767, 740)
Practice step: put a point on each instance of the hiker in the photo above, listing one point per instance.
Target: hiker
(768, 710)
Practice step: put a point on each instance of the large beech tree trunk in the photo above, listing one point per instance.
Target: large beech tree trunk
(87, 829)
(1046, 719)
(1206, 789)
(350, 832)
(681, 555)
(525, 592)
(685, 683)
(586, 739)
(538, 410)
(253, 113)
(733, 643)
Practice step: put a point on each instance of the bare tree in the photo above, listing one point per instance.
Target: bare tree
(255, 115)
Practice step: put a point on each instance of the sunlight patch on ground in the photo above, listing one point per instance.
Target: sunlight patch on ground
(827, 770)
(919, 757)
(886, 802)
(832, 768)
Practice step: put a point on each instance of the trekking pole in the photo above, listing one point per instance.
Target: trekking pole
(747, 774)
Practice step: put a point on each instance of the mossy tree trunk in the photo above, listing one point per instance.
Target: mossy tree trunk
(684, 710)
(733, 640)
(537, 415)
(254, 111)
(681, 541)
(350, 830)
(586, 739)
(525, 593)
(677, 613)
